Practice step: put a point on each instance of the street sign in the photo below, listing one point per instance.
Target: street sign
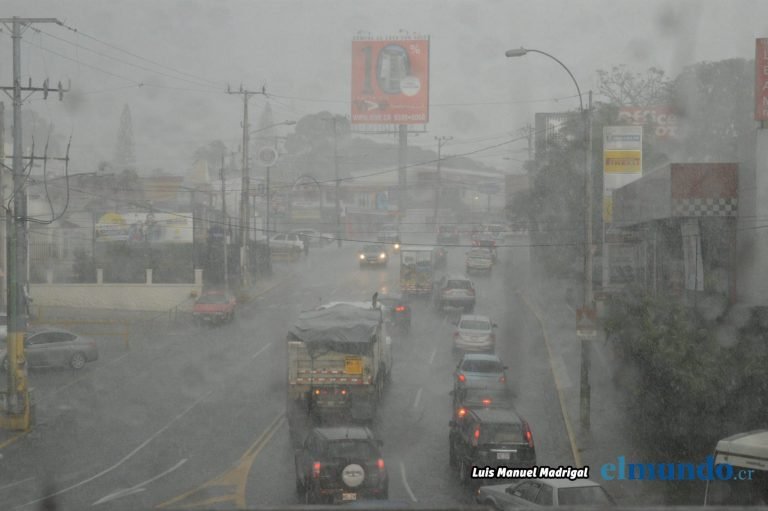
(586, 327)
(267, 156)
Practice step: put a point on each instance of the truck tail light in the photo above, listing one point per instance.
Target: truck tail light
(462, 378)
(316, 470)
(486, 402)
(461, 412)
(476, 436)
(400, 308)
(527, 434)
(380, 464)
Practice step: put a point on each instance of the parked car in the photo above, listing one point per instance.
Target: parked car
(375, 255)
(490, 437)
(479, 259)
(448, 234)
(544, 492)
(316, 238)
(289, 244)
(454, 291)
(214, 306)
(340, 464)
(47, 346)
(474, 333)
(480, 370)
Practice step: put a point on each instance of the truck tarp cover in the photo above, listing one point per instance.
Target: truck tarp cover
(337, 328)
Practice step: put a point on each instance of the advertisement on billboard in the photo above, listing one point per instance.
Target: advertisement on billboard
(622, 161)
(145, 227)
(390, 81)
(761, 79)
(663, 119)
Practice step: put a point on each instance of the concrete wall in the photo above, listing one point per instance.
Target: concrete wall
(127, 297)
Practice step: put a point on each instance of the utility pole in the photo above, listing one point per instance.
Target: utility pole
(245, 218)
(338, 183)
(3, 233)
(226, 223)
(15, 401)
(589, 303)
(438, 177)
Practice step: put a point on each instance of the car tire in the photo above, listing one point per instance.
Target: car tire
(77, 361)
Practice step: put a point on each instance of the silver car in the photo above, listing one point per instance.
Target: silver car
(544, 492)
(480, 370)
(44, 347)
(479, 259)
(474, 333)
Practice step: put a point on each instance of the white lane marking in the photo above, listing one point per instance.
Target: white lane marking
(432, 357)
(17, 483)
(405, 483)
(137, 488)
(418, 397)
(126, 457)
(260, 351)
(562, 372)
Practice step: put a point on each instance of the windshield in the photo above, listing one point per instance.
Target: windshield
(482, 366)
(474, 324)
(576, 187)
(354, 449)
(501, 433)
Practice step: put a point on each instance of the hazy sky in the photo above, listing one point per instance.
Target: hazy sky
(300, 50)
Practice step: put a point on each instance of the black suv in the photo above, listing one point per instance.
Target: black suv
(489, 437)
(340, 464)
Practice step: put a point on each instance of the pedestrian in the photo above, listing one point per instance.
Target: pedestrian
(305, 241)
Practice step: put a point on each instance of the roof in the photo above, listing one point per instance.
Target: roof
(341, 433)
(752, 443)
(474, 317)
(481, 356)
(494, 415)
(337, 323)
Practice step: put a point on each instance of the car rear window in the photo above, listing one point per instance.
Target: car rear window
(480, 254)
(501, 433)
(358, 449)
(474, 324)
(213, 299)
(482, 366)
(458, 284)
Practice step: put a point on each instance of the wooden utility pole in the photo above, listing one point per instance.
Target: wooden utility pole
(15, 404)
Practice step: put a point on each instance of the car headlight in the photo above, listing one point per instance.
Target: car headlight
(397, 245)
(362, 257)
(382, 255)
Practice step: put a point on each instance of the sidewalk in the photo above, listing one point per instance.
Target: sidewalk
(609, 435)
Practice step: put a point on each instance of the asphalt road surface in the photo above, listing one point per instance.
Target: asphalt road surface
(195, 418)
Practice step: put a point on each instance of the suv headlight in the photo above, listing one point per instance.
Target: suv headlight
(383, 255)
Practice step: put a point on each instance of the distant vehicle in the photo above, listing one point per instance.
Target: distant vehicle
(417, 267)
(454, 291)
(480, 370)
(440, 257)
(316, 238)
(467, 398)
(474, 333)
(448, 234)
(489, 437)
(544, 492)
(340, 464)
(46, 346)
(744, 452)
(287, 244)
(397, 312)
(214, 306)
(373, 255)
(486, 241)
(479, 259)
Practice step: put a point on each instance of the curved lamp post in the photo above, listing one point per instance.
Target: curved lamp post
(588, 294)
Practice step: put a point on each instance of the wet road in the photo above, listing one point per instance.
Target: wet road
(194, 418)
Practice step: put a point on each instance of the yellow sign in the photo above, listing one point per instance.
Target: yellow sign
(623, 162)
(353, 365)
(608, 209)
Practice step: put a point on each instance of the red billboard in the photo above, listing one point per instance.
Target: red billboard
(761, 79)
(390, 81)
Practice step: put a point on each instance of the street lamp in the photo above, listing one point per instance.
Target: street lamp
(588, 295)
(244, 209)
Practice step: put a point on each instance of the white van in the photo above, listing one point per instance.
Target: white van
(747, 453)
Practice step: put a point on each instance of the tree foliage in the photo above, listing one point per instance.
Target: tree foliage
(625, 88)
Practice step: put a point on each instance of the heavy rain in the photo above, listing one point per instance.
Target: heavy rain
(435, 254)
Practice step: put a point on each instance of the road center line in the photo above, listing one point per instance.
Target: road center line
(432, 357)
(418, 397)
(405, 483)
(126, 457)
(16, 483)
